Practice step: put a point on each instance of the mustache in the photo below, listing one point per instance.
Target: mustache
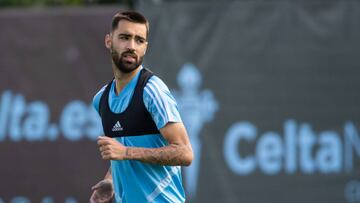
(129, 53)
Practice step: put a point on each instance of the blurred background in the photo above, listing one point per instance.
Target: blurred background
(268, 91)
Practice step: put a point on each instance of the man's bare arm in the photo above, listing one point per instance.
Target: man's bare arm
(178, 152)
(172, 154)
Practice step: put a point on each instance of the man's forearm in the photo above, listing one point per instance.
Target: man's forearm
(172, 154)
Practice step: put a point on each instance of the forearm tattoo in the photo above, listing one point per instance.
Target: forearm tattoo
(169, 155)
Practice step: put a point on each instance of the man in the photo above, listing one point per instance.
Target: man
(145, 139)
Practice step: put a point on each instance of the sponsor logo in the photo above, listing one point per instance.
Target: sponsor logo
(22, 120)
(117, 127)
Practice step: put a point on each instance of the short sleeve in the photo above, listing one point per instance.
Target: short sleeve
(160, 102)
(96, 99)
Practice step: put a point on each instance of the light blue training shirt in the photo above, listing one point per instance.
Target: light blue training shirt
(135, 181)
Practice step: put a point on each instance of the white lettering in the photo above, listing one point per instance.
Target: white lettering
(299, 149)
(329, 153)
(73, 120)
(269, 151)
(238, 131)
(352, 142)
(306, 144)
(4, 112)
(36, 122)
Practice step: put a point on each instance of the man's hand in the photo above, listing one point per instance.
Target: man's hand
(103, 192)
(111, 149)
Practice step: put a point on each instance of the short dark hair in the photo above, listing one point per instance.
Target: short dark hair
(131, 16)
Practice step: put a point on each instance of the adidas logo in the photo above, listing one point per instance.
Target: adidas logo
(117, 127)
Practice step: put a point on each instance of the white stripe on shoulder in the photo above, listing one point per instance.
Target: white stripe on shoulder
(153, 97)
(160, 97)
(101, 90)
(161, 86)
(156, 80)
(165, 104)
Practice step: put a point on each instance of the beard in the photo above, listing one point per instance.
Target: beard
(122, 65)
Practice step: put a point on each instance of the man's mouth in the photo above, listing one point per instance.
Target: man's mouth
(130, 58)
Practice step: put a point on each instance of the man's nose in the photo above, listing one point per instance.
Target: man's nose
(131, 44)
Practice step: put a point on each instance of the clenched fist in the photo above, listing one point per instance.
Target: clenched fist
(111, 149)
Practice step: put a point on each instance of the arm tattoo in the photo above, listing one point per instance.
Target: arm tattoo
(169, 155)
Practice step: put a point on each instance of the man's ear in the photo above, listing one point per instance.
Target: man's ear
(108, 41)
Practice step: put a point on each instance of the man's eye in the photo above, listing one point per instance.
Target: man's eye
(124, 37)
(140, 41)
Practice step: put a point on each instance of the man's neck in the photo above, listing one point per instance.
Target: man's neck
(122, 79)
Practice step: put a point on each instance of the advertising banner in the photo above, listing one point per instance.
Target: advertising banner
(269, 93)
